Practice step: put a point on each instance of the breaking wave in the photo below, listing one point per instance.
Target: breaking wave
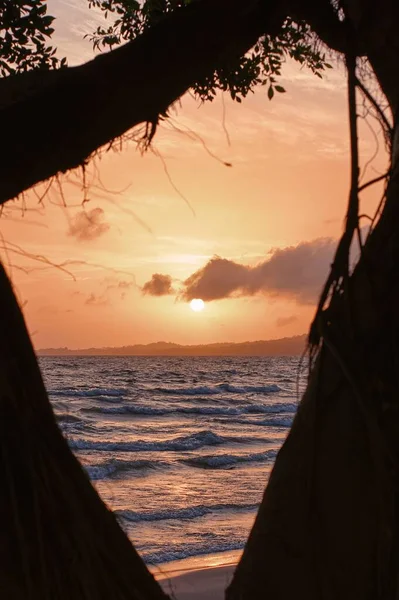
(181, 443)
(193, 410)
(220, 461)
(112, 467)
(192, 512)
(187, 550)
(88, 392)
(67, 418)
(283, 421)
(221, 388)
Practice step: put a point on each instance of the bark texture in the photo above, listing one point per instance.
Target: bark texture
(58, 541)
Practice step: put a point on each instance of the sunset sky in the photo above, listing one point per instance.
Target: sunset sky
(253, 240)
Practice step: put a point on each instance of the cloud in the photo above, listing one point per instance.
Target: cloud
(94, 300)
(110, 289)
(86, 226)
(284, 321)
(295, 272)
(120, 286)
(158, 285)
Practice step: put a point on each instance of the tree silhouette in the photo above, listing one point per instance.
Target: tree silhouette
(328, 524)
(202, 45)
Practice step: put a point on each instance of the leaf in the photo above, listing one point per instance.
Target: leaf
(270, 92)
(279, 88)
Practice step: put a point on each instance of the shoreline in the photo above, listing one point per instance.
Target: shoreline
(200, 562)
(199, 577)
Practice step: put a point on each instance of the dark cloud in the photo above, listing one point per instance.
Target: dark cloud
(158, 285)
(284, 321)
(296, 272)
(86, 226)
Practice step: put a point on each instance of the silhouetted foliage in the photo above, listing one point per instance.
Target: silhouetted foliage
(261, 66)
(25, 28)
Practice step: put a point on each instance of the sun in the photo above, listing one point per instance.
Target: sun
(197, 304)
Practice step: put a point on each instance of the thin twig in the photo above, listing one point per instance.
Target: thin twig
(373, 181)
(165, 168)
(373, 101)
(224, 121)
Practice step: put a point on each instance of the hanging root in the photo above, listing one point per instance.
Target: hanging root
(337, 283)
(149, 134)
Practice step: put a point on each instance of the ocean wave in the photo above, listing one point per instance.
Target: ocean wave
(189, 550)
(283, 421)
(193, 410)
(277, 408)
(181, 443)
(88, 392)
(181, 514)
(220, 461)
(111, 468)
(205, 390)
(67, 418)
(65, 364)
(278, 422)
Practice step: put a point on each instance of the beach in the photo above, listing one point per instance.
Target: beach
(199, 578)
(204, 584)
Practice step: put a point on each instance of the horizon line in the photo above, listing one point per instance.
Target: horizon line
(173, 345)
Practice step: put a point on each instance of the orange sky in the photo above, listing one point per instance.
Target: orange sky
(287, 187)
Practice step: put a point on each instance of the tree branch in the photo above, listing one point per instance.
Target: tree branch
(52, 122)
(323, 19)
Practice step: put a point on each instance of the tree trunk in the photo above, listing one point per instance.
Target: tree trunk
(328, 525)
(57, 538)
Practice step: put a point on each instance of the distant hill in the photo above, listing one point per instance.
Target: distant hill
(289, 346)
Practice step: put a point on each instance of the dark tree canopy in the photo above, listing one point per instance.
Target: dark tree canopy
(204, 45)
(239, 74)
(25, 29)
(171, 47)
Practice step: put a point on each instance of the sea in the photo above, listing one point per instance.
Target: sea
(180, 448)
